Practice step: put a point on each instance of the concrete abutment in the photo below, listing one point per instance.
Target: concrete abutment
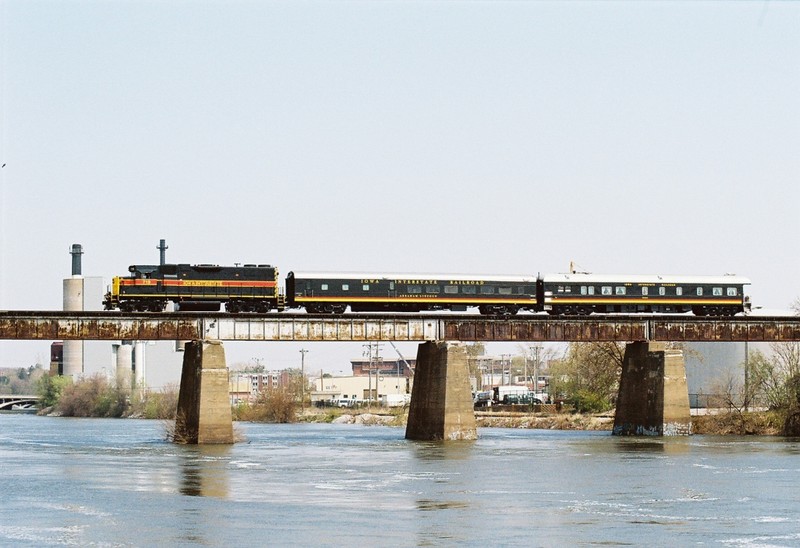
(204, 408)
(441, 399)
(653, 395)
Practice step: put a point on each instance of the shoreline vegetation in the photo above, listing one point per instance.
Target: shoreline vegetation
(96, 397)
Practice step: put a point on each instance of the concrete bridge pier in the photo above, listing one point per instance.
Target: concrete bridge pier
(204, 408)
(441, 399)
(653, 395)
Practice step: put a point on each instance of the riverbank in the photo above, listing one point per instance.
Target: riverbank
(757, 423)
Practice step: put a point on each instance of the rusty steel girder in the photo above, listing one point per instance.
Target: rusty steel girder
(544, 329)
(79, 326)
(57, 325)
(751, 329)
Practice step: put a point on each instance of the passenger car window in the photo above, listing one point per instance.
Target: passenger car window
(679, 291)
(487, 290)
(468, 290)
(662, 290)
(365, 287)
(504, 290)
(345, 287)
(645, 290)
(732, 292)
(605, 290)
(324, 287)
(620, 290)
(451, 289)
(716, 291)
(415, 289)
(431, 289)
(699, 291)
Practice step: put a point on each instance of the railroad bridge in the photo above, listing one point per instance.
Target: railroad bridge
(653, 396)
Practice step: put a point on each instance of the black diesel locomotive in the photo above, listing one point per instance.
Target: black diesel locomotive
(248, 288)
(255, 288)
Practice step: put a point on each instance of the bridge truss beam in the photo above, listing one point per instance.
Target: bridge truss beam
(391, 327)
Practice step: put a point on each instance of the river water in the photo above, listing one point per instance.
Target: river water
(107, 482)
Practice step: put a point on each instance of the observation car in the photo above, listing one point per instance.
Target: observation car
(368, 292)
(248, 288)
(579, 293)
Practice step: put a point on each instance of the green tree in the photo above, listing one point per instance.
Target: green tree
(49, 389)
(588, 376)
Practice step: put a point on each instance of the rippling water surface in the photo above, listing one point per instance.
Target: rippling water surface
(117, 483)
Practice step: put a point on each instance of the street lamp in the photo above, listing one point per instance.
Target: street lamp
(303, 378)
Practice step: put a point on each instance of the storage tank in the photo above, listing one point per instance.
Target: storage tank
(124, 364)
(73, 302)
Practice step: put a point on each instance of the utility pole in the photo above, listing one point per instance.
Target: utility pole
(525, 375)
(303, 378)
(746, 377)
(368, 353)
(374, 363)
(536, 356)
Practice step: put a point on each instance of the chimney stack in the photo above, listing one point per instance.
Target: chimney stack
(77, 251)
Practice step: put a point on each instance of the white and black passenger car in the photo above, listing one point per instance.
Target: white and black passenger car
(578, 293)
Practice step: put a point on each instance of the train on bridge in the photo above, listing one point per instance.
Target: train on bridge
(253, 288)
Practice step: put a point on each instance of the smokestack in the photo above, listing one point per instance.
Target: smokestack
(162, 247)
(77, 251)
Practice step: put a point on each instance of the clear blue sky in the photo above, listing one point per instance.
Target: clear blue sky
(477, 137)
